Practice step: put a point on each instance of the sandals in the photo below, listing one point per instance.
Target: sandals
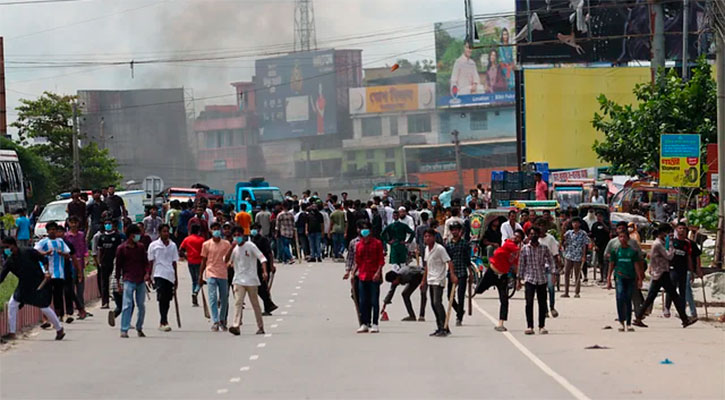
(529, 331)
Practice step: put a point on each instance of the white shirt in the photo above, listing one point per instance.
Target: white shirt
(507, 232)
(416, 217)
(447, 235)
(244, 259)
(437, 261)
(56, 260)
(325, 222)
(209, 216)
(553, 245)
(408, 220)
(465, 75)
(598, 200)
(163, 258)
(388, 215)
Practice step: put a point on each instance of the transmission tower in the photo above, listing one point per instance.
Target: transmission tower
(305, 37)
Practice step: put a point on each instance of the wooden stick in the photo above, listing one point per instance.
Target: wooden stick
(354, 299)
(176, 307)
(207, 315)
(704, 299)
(450, 304)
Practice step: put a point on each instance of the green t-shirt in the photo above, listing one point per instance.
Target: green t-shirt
(337, 218)
(624, 259)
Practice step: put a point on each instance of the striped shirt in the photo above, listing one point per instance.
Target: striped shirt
(532, 263)
(56, 261)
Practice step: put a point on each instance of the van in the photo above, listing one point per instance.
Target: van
(54, 211)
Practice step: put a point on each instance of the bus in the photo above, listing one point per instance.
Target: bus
(12, 183)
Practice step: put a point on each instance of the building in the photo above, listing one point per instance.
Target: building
(227, 141)
(144, 130)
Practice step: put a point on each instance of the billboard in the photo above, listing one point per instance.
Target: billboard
(296, 95)
(680, 160)
(560, 105)
(475, 77)
(392, 98)
(560, 31)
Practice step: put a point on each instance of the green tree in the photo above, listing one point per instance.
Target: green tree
(49, 121)
(36, 171)
(670, 105)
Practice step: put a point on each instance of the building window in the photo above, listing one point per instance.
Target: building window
(390, 153)
(372, 167)
(220, 164)
(351, 167)
(370, 154)
(419, 123)
(445, 119)
(372, 126)
(350, 156)
(479, 121)
(211, 140)
(390, 167)
(394, 126)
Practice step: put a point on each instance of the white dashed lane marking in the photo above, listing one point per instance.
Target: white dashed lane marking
(244, 368)
(298, 287)
(235, 380)
(295, 294)
(287, 306)
(291, 300)
(274, 326)
(222, 391)
(260, 345)
(280, 319)
(284, 312)
(268, 335)
(253, 357)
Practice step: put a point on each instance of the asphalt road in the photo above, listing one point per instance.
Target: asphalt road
(311, 350)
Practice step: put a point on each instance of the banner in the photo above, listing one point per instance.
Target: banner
(563, 176)
(392, 98)
(480, 76)
(680, 160)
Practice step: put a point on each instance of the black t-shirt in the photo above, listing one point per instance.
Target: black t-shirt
(301, 222)
(314, 222)
(683, 250)
(95, 211)
(107, 245)
(600, 232)
(492, 236)
(115, 205)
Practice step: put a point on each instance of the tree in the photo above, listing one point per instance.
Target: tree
(49, 121)
(670, 105)
(36, 171)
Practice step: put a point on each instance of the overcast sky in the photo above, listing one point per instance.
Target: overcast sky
(125, 30)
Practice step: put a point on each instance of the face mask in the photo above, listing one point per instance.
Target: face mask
(108, 227)
(8, 252)
(434, 203)
(216, 234)
(365, 232)
(254, 232)
(136, 237)
(239, 239)
(630, 229)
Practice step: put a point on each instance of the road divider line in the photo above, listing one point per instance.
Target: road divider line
(284, 313)
(298, 287)
(287, 306)
(267, 335)
(260, 345)
(235, 380)
(573, 390)
(274, 326)
(253, 357)
(244, 368)
(222, 391)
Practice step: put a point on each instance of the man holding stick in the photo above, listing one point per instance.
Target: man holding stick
(164, 256)
(437, 263)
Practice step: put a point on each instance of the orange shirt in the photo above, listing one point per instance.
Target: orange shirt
(214, 254)
(244, 220)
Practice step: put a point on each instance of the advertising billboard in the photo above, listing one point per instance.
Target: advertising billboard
(296, 95)
(392, 98)
(680, 160)
(579, 31)
(475, 77)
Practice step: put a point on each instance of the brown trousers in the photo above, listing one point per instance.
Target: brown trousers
(240, 292)
(576, 266)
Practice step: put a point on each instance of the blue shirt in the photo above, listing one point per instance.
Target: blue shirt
(56, 261)
(23, 225)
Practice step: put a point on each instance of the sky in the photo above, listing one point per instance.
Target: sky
(89, 31)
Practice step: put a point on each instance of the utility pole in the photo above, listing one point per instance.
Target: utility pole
(658, 37)
(305, 36)
(3, 111)
(720, 66)
(102, 133)
(307, 165)
(457, 144)
(74, 145)
(685, 38)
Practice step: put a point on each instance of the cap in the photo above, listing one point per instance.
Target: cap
(455, 225)
(401, 208)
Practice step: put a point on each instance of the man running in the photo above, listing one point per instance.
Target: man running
(213, 252)
(164, 256)
(245, 255)
(27, 265)
(57, 253)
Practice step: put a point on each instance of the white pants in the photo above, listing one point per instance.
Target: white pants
(14, 306)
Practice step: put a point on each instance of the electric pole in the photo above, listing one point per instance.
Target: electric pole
(685, 38)
(720, 66)
(74, 145)
(457, 145)
(658, 37)
(305, 36)
(3, 113)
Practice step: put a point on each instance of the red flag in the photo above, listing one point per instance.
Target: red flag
(394, 67)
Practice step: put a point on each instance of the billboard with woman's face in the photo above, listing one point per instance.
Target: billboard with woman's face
(478, 76)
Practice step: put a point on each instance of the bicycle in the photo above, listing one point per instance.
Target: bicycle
(475, 273)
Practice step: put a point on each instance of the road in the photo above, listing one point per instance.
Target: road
(311, 350)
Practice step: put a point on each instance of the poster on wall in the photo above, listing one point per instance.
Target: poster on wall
(680, 160)
(615, 31)
(478, 76)
(297, 95)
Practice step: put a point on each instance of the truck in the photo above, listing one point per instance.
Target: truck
(256, 190)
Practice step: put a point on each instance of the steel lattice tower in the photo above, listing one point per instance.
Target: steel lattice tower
(305, 37)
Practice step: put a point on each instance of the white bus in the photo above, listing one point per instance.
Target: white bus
(12, 183)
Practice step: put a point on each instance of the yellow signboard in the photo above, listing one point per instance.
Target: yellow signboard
(392, 98)
(680, 160)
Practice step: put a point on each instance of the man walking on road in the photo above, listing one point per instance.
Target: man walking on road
(27, 265)
(533, 263)
(265, 247)
(22, 234)
(152, 223)
(509, 227)
(95, 211)
(681, 264)
(213, 253)
(398, 235)
(337, 231)
(116, 206)
(164, 256)
(77, 208)
(625, 265)
(575, 255)
(245, 255)
(285, 226)
(437, 263)
(132, 273)
(459, 251)
(57, 253)
(369, 262)
(552, 271)
(191, 249)
(199, 219)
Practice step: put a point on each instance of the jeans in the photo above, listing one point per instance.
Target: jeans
(131, 289)
(436, 303)
(164, 295)
(576, 267)
(315, 238)
(284, 244)
(460, 299)
(491, 278)
(679, 280)
(218, 291)
(540, 291)
(689, 297)
(550, 283)
(654, 289)
(369, 297)
(338, 244)
(625, 288)
(194, 272)
(304, 244)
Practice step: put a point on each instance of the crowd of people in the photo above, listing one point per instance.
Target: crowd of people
(429, 246)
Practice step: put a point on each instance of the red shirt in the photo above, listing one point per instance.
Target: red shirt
(203, 226)
(369, 258)
(542, 190)
(505, 256)
(192, 244)
(526, 227)
(131, 263)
